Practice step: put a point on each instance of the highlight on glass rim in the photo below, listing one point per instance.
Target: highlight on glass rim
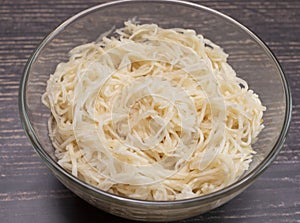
(153, 114)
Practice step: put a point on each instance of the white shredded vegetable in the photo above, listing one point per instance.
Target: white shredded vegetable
(153, 114)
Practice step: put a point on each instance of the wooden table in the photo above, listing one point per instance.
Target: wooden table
(30, 193)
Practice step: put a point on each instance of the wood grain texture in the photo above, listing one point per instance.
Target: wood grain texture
(30, 193)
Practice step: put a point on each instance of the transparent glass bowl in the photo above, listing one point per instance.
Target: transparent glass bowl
(249, 56)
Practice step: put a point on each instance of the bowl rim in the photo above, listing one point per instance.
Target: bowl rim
(236, 186)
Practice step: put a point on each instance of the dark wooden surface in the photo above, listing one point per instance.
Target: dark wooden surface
(30, 193)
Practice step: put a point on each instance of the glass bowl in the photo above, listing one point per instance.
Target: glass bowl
(249, 56)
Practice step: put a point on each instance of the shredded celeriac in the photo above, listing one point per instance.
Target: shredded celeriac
(153, 114)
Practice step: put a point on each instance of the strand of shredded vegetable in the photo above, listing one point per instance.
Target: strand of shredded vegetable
(154, 114)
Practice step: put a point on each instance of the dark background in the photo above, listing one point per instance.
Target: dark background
(28, 190)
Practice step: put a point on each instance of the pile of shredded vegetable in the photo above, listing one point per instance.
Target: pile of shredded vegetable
(152, 113)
